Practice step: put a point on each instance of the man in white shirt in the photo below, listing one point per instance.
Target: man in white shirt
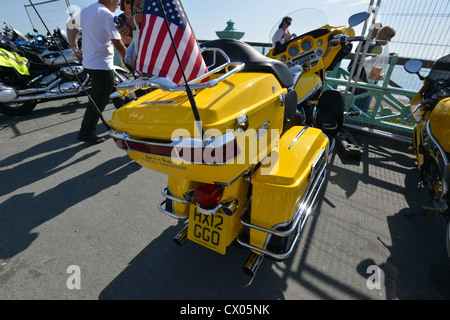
(99, 38)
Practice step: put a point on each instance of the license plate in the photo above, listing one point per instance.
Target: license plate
(208, 231)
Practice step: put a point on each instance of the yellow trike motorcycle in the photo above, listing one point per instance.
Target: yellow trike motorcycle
(252, 169)
(431, 138)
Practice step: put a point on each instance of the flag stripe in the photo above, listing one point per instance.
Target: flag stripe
(172, 61)
(186, 55)
(156, 55)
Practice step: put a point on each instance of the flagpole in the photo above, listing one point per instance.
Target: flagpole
(188, 88)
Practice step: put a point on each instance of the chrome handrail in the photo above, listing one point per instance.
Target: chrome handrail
(160, 208)
(165, 194)
(128, 87)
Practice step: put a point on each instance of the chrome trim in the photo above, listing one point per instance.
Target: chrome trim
(170, 213)
(317, 164)
(242, 123)
(282, 99)
(253, 262)
(297, 71)
(310, 93)
(45, 93)
(181, 236)
(164, 193)
(209, 212)
(147, 103)
(227, 184)
(298, 136)
(167, 196)
(230, 207)
(226, 207)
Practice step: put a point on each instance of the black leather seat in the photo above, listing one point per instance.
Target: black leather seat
(239, 51)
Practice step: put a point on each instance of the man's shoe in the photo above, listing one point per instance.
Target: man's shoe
(92, 140)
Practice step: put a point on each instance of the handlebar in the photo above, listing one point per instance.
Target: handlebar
(342, 39)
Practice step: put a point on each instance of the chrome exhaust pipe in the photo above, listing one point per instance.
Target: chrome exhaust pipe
(181, 237)
(24, 95)
(39, 90)
(46, 96)
(252, 264)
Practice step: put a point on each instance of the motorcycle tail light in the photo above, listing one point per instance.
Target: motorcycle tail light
(216, 151)
(211, 154)
(208, 195)
(144, 147)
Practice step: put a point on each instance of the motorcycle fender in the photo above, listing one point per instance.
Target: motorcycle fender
(278, 190)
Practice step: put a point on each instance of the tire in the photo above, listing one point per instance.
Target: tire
(17, 109)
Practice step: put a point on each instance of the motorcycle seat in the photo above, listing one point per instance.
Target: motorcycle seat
(255, 61)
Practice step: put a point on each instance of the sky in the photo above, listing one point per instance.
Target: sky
(254, 17)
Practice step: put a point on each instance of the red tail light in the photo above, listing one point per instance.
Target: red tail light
(208, 195)
(218, 150)
(214, 155)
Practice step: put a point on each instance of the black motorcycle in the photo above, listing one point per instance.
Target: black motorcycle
(51, 76)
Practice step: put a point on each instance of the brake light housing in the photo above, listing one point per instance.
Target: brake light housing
(208, 196)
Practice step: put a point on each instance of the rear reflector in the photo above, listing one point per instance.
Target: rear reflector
(165, 151)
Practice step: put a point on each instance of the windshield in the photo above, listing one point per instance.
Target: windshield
(303, 21)
(440, 69)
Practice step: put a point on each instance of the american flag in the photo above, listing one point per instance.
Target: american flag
(156, 55)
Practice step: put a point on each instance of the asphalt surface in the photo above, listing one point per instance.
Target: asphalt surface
(80, 222)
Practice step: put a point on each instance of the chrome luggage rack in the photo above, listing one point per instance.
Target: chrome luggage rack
(128, 87)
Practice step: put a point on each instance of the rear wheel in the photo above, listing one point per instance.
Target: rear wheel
(17, 109)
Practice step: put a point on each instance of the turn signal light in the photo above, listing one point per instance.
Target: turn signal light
(208, 195)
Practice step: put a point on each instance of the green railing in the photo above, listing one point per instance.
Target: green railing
(389, 107)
